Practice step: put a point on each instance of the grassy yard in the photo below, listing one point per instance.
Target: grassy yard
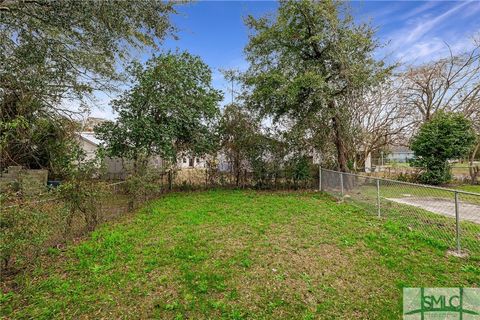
(238, 255)
(390, 189)
(469, 188)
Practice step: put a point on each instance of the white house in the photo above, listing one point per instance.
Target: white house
(400, 154)
(191, 162)
(89, 144)
(117, 167)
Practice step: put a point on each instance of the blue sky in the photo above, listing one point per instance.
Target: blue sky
(412, 31)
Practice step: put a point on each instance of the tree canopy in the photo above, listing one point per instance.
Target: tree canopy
(55, 54)
(305, 58)
(171, 108)
(446, 136)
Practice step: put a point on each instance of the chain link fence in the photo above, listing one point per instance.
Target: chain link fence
(449, 219)
(33, 227)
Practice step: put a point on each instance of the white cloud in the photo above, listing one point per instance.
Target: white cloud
(421, 51)
(421, 9)
(424, 27)
(424, 38)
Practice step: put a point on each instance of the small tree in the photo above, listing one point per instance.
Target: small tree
(171, 108)
(445, 137)
(240, 132)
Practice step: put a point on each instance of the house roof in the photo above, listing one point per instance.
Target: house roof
(90, 137)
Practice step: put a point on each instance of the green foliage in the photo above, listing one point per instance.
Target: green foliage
(56, 49)
(141, 186)
(80, 193)
(273, 158)
(300, 169)
(171, 108)
(240, 135)
(35, 141)
(23, 229)
(56, 52)
(446, 136)
(304, 60)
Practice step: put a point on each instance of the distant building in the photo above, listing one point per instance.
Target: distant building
(89, 143)
(191, 162)
(91, 122)
(115, 167)
(400, 154)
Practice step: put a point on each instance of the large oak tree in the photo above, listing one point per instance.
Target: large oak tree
(304, 59)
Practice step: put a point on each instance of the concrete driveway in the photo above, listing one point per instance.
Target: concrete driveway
(468, 211)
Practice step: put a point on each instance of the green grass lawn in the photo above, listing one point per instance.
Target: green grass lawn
(238, 255)
(469, 188)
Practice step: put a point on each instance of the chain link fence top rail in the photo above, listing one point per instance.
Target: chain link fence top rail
(449, 219)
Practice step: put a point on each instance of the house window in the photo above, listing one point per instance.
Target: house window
(191, 162)
(184, 160)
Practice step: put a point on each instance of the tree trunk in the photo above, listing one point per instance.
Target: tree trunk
(339, 144)
(237, 170)
(170, 180)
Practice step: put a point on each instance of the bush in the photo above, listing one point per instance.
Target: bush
(408, 177)
(445, 137)
(81, 198)
(142, 186)
(299, 170)
(23, 230)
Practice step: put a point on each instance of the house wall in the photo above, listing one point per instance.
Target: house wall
(186, 163)
(88, 147)
(400, 156)
(223, 163)
(30, 181)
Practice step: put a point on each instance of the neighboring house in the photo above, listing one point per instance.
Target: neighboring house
(400, 154)
(189, 162)
(89, 144)
(223, 163)
(116, 167)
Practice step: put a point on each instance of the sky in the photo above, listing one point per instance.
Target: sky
(413, 32)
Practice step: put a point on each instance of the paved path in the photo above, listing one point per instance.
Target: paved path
(468, 211)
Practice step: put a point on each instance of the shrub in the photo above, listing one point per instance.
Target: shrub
(23, 230)
(445, 137)
(299, 170)
(81, 198)
(141, 186)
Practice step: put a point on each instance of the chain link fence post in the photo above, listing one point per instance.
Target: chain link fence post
(341, 185)
(320, 187)
(457, 223)
(378, 198)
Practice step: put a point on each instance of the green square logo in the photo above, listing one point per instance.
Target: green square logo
(441, 303)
